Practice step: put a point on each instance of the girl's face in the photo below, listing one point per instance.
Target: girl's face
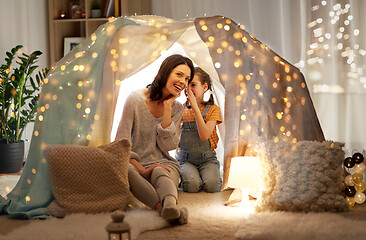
(198, 88)
(177, 80)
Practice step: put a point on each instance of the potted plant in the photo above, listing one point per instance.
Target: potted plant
(19, 93)
(96, 11)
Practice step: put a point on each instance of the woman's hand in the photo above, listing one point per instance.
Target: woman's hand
(167, 114)
(168, 103)
(146, 172)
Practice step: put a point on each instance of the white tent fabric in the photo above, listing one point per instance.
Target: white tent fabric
(266, 98)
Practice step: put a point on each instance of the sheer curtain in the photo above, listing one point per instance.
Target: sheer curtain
(335, 69)
(306, 33)
(24, 22)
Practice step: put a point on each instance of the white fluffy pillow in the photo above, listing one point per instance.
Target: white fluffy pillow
(306, 176)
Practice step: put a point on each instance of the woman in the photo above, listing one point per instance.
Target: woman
(150, 120)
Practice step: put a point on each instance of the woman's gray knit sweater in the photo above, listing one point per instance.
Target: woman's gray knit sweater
(150, 143)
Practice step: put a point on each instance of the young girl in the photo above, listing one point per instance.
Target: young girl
(200, 168)
(150, 120)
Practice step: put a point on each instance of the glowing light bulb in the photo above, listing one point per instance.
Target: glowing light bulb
(279, 115)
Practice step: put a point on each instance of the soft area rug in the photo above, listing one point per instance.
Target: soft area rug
(86, 226)
(300, 226)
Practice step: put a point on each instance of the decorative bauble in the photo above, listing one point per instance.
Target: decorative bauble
(348, 180)
(357, 157)
(360, 168)
(360, 198)
(350, 191)
(349, 162)
(351, 201)
(360, 187)
(357, 177)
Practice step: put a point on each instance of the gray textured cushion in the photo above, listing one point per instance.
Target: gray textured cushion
(305, 176)
(89, 179)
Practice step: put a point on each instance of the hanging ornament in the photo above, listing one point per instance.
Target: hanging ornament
(360, 168)
(357, 157)
(360, 187)
(360, 198)
(350, 191)
(351, 202)
(357, 177)
(348, 180)
(349, 162)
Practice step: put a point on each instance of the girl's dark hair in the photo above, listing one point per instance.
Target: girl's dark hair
(166, 68)
(204, 78)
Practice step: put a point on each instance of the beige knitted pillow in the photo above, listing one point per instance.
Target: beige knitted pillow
(306, 177)
(89, 179)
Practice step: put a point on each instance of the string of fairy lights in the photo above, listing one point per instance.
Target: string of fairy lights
(334, 36)
(83, 92)
(285, 76)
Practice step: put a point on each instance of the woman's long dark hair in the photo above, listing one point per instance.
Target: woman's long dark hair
(166, 68)
(204, 78)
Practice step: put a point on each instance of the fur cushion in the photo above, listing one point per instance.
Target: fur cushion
(89, 179)
(306, 176)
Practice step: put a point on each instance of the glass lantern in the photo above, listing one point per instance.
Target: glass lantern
(118, 229)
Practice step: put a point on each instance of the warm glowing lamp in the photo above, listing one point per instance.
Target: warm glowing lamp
(245, 174)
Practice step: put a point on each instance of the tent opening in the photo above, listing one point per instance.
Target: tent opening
(144, 77)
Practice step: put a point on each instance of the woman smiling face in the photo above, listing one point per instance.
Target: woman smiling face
(177, 81)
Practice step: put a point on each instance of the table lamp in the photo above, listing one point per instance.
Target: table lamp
(245, 176)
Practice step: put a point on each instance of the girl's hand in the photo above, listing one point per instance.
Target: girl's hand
(192, 100)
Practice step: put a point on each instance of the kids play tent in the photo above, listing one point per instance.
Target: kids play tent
(263, 97)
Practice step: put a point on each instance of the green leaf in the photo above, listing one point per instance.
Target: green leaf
(38, 78)
(32, 83)
(31, 70)
(9, 55)
(15, 49)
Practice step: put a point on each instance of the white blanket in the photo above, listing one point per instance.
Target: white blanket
(300, 226)
(86, 226)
